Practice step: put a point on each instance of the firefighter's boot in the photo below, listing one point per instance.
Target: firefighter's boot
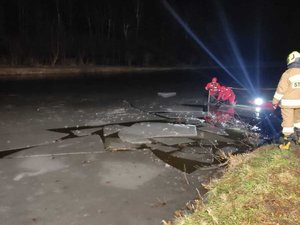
(297, 136)
(287, 141)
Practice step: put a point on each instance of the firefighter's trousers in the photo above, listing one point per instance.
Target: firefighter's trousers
(290, 120)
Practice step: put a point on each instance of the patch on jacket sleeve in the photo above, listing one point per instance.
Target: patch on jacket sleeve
(296, 84)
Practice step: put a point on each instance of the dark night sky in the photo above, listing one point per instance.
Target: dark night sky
(141, 32)
(271, 24)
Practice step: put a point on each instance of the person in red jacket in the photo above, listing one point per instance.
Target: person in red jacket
(226, 93)
(213, 87)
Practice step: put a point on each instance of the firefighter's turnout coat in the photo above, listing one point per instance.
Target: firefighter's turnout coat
(288, 94)
(288, 89)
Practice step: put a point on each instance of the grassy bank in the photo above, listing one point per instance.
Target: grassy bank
(262, 187)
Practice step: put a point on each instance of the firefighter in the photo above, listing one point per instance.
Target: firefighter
(287, 94)
(226, 93)
(213, 87)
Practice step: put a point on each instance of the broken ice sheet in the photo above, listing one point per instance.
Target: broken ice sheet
(183, 114)
(202, 142)
(199, 101)
(24, 137)
(203, 158)
(144, 130)
(192, 120)
(111, 129)
(255, 128)
(197, 150)
(85, 132)
(183, 117)
(173, 140)
(213, 129)
(115, 144)
(166, 94)
(237, 133)
(74, 146)
(161, 147)
(124, 114)
(212, 137)
(165, 106)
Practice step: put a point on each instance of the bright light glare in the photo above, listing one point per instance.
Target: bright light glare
(258, 101)
(185, 26)
(257, 109)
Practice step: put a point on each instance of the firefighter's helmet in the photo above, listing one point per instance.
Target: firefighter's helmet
(293, 57)
(214, 80)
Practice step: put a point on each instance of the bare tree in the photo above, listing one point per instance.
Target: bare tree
(21, 13)
(56, 49)
(125, 30)
(138, 16)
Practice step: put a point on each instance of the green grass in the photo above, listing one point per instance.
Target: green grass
(262, 187)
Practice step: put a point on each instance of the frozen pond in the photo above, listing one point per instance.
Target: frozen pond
(78, 146)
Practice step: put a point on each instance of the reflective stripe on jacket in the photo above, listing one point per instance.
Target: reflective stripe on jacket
(288, 89)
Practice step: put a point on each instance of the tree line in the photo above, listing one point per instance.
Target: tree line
(77, 32)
